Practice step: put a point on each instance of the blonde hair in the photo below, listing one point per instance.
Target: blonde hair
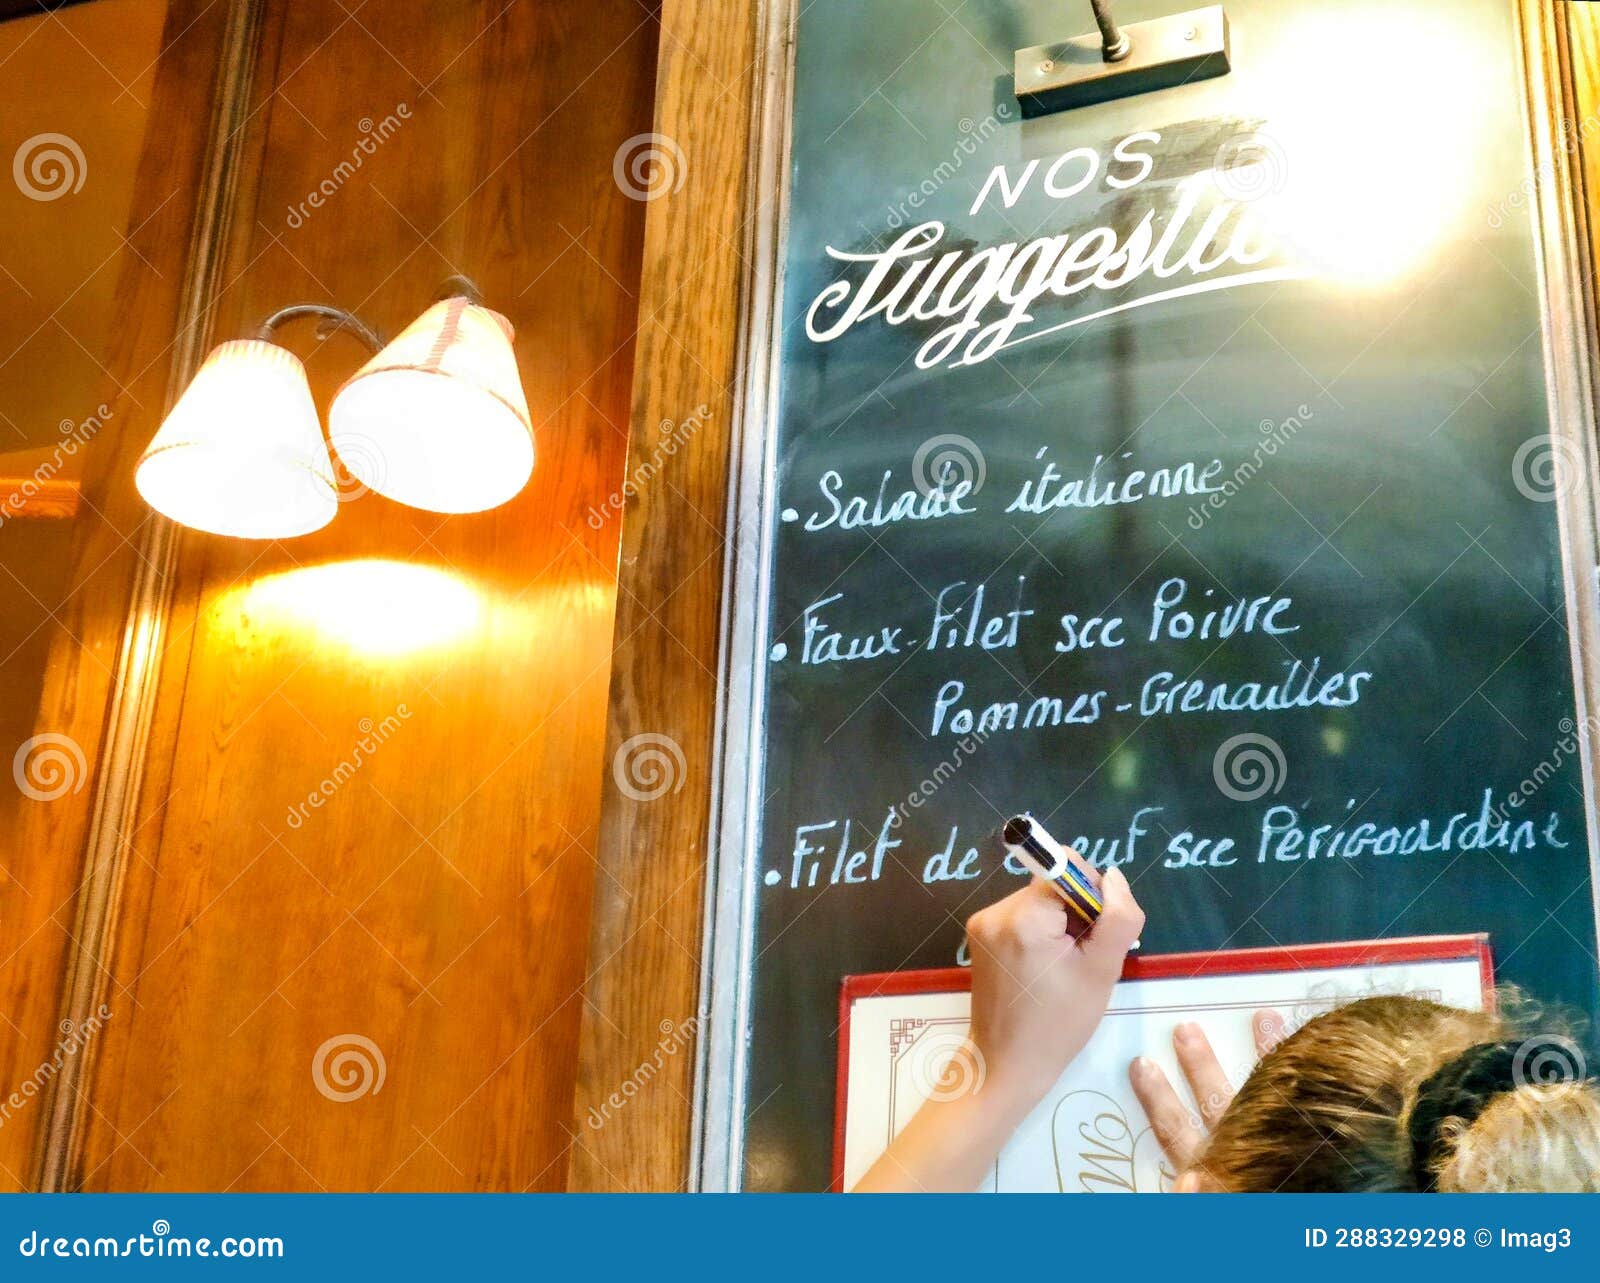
(1533, 1139)
(1330, 1107)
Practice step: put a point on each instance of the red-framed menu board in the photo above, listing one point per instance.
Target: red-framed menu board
(897, 1031)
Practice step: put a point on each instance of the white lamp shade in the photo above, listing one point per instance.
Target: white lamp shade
(438, 419)
(242, 452)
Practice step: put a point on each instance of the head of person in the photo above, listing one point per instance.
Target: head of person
(1395, 1094)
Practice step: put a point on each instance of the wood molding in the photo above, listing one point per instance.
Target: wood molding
(644, 976)
(121, 767)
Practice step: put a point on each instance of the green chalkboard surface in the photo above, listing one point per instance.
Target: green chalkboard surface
(1179, 469)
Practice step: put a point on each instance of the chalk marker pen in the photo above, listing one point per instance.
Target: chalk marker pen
(1025, 837)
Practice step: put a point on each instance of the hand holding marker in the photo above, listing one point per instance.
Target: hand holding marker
(1060, 867)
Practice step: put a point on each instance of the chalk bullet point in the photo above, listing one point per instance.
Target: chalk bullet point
(773, 877)
(779, 651)
(789, 514)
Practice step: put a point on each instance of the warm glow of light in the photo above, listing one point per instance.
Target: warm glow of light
(372, 607)
(438, 419)
(242, 452)
(1360, 188)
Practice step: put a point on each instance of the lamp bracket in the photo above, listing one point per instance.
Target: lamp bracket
(460, 287)
(1119, 62)
(1114, 43)
(333, 319)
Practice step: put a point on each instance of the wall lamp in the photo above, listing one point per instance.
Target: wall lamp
(435, 420)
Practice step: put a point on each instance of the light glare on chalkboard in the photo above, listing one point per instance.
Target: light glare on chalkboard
(1354, 198)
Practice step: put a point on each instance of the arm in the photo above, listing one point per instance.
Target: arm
(1037, 997)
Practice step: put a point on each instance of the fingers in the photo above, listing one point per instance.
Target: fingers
(1181, 1136)
(1037, 891)
(1169, 1118)
(1045, 917)
(1207, 1083)
(1270, 1028)
(1037, 908)
(1036, 914)
(1083, 866)
(1121, 920)
(1032, 915)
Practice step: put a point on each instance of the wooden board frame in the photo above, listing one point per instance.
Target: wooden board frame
(1571, 350)
(655, 876)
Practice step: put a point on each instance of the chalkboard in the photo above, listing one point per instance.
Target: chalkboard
(1179, 468)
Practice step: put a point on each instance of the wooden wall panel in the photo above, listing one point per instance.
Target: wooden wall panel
(645, 948)
(44, 840)
(438, 683)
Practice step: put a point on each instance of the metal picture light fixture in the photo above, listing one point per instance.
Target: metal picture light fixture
(436, 420)
(1121, 61)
